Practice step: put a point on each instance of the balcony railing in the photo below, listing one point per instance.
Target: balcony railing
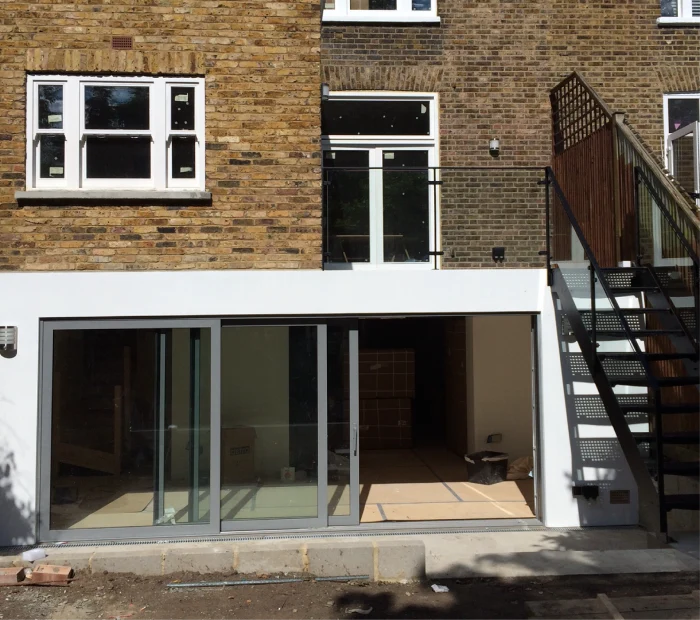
(432, 217)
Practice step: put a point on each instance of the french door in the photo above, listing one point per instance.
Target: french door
(380, 205)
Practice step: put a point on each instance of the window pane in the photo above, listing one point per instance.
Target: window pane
(50, 107)
(684, 161)
(339, 431)
(118, 158)
(128, 407)
(116, 107)
(347, 206)
(329, 4)
(372, 5)
(406, 207)
(669, 8)
(182, 108)
(376, 118)
(421, 5)
(52, 157)
(681, 112)
(269, 423)
(183, 153)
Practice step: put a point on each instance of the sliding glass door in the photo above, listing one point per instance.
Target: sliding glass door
(156, 428)
(128, 409)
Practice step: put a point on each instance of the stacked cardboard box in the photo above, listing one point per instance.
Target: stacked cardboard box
(387, 389)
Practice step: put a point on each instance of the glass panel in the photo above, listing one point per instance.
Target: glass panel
(329, 5)
(669, 8)
(182, 107)
(347, 206)
(684, 161)
(183, 154)
(116, 107)
(52, 157)
(50, 106)
(269, 419)
(118, 158)
(130, 428)
(372, 5)
(682, 112)
(406, 207)
(376, 118)
(339, 432)
(421, 5)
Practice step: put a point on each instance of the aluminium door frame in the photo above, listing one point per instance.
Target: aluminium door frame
(43, 526)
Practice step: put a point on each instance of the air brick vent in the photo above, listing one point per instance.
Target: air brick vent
(122, 43)
(619, 497)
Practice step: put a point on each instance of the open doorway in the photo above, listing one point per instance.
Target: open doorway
(432, 390)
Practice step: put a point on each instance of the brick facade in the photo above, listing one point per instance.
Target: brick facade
(261, 62)
(493, 63)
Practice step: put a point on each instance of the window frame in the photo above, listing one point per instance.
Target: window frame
(403, 13)
(667, 133)
(75, 132)
(684, 15)
(376, 145)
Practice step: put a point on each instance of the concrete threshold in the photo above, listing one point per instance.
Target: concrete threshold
(395, 558)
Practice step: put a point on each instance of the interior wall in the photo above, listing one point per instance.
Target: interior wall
(456, 431)
(499, 383)
(255, 391)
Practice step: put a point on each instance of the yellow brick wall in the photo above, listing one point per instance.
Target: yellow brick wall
(261, 61)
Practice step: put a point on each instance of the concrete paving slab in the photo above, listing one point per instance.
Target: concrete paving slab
(340, 558)
(141, 560)
(267, 557)
(199, 559)
(398, 559)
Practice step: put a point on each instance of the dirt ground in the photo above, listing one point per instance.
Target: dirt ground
(112, 596)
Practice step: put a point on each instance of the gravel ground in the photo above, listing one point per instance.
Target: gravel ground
(111, 596)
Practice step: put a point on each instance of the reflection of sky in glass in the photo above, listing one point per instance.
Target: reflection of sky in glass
(421, 5)
(669, 8)
(682, 112)
(116, 107)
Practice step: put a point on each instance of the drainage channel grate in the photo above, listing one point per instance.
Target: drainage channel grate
(304, 535)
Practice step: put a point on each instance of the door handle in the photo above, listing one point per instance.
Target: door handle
(354, 430)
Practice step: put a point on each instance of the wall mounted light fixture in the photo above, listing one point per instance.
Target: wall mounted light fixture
(8, 339)
(325, 92)
(495, 147)
(498, 254)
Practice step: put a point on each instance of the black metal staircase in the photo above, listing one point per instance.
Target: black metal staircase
(637, 331)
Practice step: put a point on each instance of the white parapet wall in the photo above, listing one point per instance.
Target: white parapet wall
(29, 298)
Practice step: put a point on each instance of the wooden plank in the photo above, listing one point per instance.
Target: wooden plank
(86, 457)
(11, 576)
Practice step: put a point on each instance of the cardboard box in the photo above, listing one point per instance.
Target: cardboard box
(238, 455)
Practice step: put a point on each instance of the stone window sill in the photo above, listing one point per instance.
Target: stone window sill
(394, 19)
(100, 195)
(678, 21)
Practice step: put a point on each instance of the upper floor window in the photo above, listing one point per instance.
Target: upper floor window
(679, 11)
(90, 132)
(380, 10)
(682, 138)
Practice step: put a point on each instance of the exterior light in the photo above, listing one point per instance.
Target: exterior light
(325, 92)
(8, 339)
(498, 254)
(495, 147)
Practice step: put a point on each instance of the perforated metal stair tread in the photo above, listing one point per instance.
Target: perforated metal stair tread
(682, 502)
(673, 438)
(663, 409)
(616, 333)
(681, 468)
(650, 357)
(662, 381)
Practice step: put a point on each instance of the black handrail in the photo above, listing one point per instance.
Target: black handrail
(603, 282)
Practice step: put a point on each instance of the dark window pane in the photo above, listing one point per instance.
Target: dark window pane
(421, 5)
(684, 161)
(376, 118)
(50, 107)
(681, 112)
(118, 158)
(347, 206)
(116, 107)
(51, 157)
(372, 5)
(182, 108)
(183, 157)
(669, 8)
(406, 207)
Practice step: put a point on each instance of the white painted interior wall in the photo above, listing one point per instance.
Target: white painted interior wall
(32, 297)
(499, 384)
(255, 391)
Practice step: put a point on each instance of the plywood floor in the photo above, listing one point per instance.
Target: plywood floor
(429, 484)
